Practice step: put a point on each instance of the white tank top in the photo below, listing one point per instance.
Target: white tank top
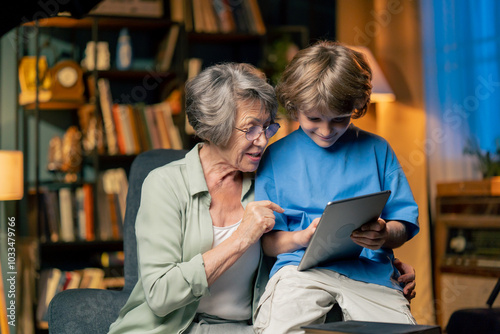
(231, 294)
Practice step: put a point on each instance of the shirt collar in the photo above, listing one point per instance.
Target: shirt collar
(197, 182)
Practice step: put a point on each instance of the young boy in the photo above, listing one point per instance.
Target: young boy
(327, 159)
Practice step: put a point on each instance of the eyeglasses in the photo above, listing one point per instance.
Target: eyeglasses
(254, 132)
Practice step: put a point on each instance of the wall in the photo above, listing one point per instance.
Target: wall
(8, 95)
(391, 29)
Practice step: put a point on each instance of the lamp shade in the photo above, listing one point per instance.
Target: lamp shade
(11, 175)
(381, 91)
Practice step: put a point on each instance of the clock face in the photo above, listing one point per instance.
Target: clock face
(67, 76)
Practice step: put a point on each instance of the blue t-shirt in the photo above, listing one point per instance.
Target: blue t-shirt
(302, 178)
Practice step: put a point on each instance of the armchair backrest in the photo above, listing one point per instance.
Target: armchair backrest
(142, 165)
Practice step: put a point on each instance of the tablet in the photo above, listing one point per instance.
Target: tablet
(332, 239)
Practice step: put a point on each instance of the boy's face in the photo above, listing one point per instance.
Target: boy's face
(323, 130)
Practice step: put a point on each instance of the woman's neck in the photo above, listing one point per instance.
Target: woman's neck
(218, 172)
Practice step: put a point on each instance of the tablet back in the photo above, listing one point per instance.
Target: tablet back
(332, 238)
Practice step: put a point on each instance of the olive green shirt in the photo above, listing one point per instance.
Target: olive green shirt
(173, 230)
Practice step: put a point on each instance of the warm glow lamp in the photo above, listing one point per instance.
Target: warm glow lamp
(381, 91)
(11, 175)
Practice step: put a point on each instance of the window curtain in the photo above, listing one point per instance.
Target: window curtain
(461, 50)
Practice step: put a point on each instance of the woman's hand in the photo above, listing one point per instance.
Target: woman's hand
(258, 219)
(407, 277)
(371, 235)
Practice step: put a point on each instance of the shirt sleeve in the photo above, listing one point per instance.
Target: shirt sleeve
(169, 281)
(265, 188)
(401, 205)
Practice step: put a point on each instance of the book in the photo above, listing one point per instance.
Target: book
(115, 185)
(224, 15)
(88, 204)
(66, 211)
(198, 17)
(167, 48)
(209, 17)
(73, 280)
(240, 16)
(366, 327)
(133, 123)
(177, 11)
(107, 115)
(194, 68)
(172, 130)
(50, 281)
(123, 118)
(51, 203)
(256, 17)
(119, 128)
(80, 212)
(103, 209)
(92, 278)
(162, 126)
(142, 129)
(152, 126)
(188, 15)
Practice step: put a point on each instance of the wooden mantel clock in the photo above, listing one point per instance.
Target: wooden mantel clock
(63, 83)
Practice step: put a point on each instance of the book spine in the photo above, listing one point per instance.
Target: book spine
(106, 108)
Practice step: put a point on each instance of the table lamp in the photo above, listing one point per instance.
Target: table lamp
(381, 91)
(11, 175)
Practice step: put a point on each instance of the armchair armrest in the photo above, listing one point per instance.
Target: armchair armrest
(85, 310)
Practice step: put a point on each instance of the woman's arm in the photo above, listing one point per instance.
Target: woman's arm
(258, 219)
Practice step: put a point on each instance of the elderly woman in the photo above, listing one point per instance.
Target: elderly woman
(197, 227)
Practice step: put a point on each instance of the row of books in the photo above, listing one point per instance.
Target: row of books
(67, 214)
(54, 280)
(218, 16)
(131, 129)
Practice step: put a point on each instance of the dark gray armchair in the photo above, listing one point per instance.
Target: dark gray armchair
(84, 311)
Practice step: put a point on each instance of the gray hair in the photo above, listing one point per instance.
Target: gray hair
(213, 96)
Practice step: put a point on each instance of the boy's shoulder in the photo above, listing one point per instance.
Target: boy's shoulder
(354, 133)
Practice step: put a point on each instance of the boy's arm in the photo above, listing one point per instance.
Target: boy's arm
(381, 233)
(278, 242)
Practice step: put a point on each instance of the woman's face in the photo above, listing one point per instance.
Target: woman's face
(241, 153)
(323, 130)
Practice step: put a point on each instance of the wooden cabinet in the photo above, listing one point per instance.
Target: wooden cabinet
(466, 245)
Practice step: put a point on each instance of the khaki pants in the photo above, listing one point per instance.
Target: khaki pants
(297, 298)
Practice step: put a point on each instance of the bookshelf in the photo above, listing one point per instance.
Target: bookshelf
(51, 201)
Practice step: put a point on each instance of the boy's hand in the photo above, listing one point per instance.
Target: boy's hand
(302, 238)
(407, 277)
(371, 235)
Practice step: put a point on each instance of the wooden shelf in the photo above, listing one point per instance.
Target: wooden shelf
(487, 187)
(132, 74)
(107, 22)
(55, 105)
(222, 37)
(97, 245)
